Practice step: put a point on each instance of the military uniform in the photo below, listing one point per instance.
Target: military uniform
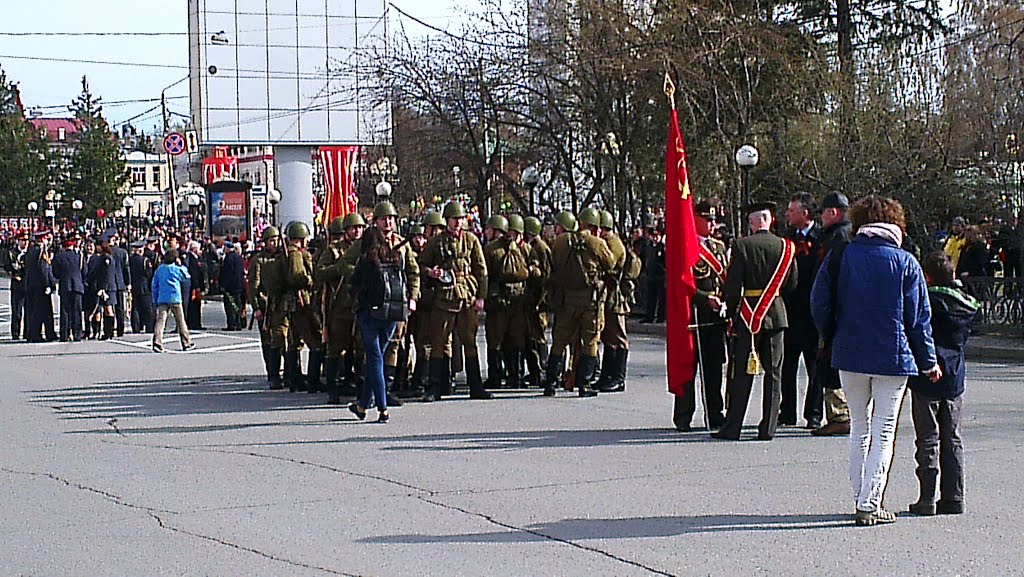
(505, 325)
(710, 342)
(755, 259)
(619, 282)
(454, 297)
(262, 297)
(535, 307)
(339, 319)
(579, 262)
(14, 264)
(293, 320)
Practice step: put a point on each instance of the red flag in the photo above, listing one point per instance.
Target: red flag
(339, 164)
(682, 251)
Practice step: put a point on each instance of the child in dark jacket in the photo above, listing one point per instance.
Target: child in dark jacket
(936, 407)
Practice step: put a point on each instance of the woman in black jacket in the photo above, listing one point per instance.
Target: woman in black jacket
(974, 257)
(382, 295)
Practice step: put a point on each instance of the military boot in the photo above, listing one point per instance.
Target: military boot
(585, 370)
(513, 368)
(925, 505)
(266, 359)
(331, 364)
(447, 386)
(274, 369)
(435, 377)
(389, 385)
(553, 375)
(315, 365)
(476, 384)
(613, 374)
(346, 379)
(293, 371)
(418, 384)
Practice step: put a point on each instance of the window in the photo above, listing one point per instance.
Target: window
(156, 176)
(138, 176)
(61, 134)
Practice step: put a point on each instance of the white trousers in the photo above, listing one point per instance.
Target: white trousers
(875, 402)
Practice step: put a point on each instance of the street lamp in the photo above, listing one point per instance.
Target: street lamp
(531, 177)
(455, 174)
(77, 206)
(273, 197)
(746, 157)
(128, 203)
(383, 189)
(33, 206)
(194, 200)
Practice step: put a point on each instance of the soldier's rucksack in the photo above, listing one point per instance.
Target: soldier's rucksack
(573, 274)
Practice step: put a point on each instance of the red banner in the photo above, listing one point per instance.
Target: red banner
(220, 166)
(339, 164)
(682, 251)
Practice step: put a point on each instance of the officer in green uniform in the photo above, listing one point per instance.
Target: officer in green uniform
(344, 351)
(297, 306)
(535, 304)
(260, 284)
(433, 225)
(619, 284)
(505, 326)
(453, 267)
(409, 385)
(385, 219)
(755, 259)
(579, 263)
(709, 273)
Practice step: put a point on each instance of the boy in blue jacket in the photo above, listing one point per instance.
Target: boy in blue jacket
(167, 290)
(936, 407)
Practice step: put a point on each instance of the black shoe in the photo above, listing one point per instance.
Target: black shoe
(922, 509)
(430, 397)
(949, 507)
(686, 428)
(354, 409)
(813, 425)
(586, 393)
(188, 347)
(480, 395)
(722, 435)
(383, 417)
(716, 421)
(764, 437)
(276, 385)
(393, 401)
(549, 391)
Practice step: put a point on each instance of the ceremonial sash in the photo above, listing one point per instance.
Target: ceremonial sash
(753, 317)
(711, 259)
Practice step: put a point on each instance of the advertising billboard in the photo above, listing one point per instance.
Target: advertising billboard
(230, 213)
(288, 72)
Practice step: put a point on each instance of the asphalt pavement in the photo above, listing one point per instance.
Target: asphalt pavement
(119, 461)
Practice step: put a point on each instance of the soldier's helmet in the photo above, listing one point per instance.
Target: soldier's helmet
(353, 219)
(532, 225)
(590, 216)
(337, 225)
(607, 220)
(270, 232)
(416, 230)
(297, 230)
(384, 208)
(498, 222)
(567, 220)
(433, 218)
(454, 209)
(515, 222)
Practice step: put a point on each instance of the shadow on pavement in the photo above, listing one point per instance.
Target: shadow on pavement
(633, 528)
(172, 397)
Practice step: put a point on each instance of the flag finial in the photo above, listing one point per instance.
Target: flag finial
(670, 90)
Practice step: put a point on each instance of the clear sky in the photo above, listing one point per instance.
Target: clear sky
(52, 85)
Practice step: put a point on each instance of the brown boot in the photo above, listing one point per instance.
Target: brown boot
(832, 429)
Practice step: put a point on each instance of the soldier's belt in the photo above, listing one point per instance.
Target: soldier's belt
(753, 294)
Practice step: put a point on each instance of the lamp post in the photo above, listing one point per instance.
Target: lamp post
(194, 200)
(77, 206)
(746, 157)
(273, 197)
(128, 203)
(530, 178)
(455, 176)
(387, 171)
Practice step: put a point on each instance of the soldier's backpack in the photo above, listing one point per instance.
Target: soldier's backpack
(573, 274)
(514, 271)
(627, 279)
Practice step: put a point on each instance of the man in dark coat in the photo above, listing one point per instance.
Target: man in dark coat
(232, 286)
(68, 268)
(14, 264)
(122, 278)
(654, 266)
(835, 235)
(141, 273)
(39, 285)
(801, 338)
(758, 273)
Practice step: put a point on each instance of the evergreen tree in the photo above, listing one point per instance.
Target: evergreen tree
(97, 173)
(24, 155)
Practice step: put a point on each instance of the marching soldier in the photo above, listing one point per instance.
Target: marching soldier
(579, 262)
(761, 269)
(619, 283)
(535, 305)
(452, 265)
(297, 307)
(709, 273)
(506, 289)
(433, 225)
(262, 292)
(344, 352)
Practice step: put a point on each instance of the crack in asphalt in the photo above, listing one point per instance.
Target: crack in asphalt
(420, 494)
(535, 533)
(116, 499)
(173, 529)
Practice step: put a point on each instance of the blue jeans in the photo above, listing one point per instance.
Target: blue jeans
(376, 335)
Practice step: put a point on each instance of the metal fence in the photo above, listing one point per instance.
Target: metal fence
(1002, 300)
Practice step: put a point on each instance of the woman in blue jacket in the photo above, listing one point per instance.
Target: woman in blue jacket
(167, 285)
(872, 300)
